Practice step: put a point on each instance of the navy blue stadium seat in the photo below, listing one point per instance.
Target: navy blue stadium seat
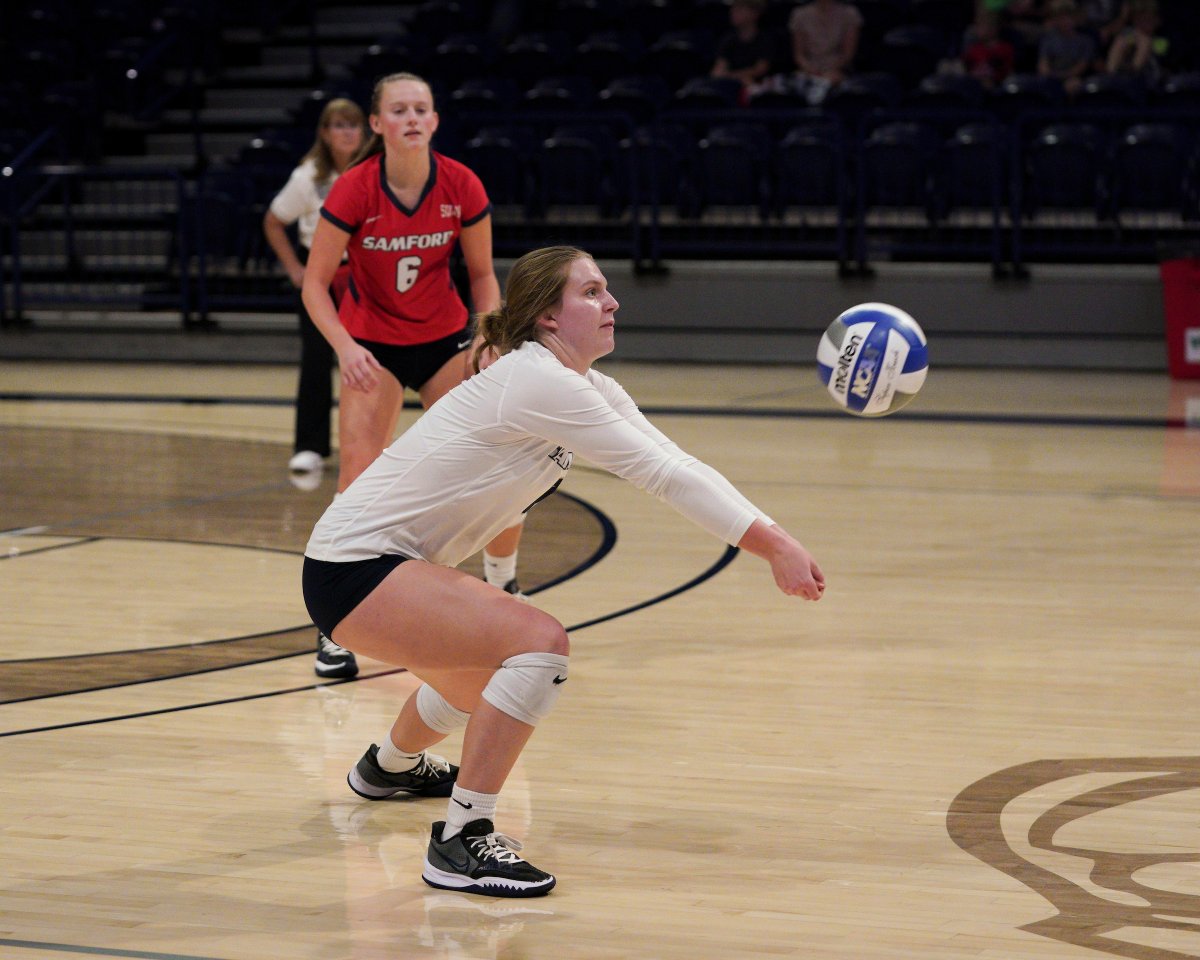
(460, 56)
(732, 168)
(654, 163)
(898, 167)
(859, 94)
(679, 55)
(571, 172)
(1104, 91)
(532, 55)
(911, 52)
(641, 97)
(940, 91)
(608, 54)
(1064, 164)
(567, 93)
(492, 95)
(1149, 168)
(810, 165)
(500, 159)
(1023, 92)
(581, 18)
(974, 168)
(397, 54)
(434, 20)
(1179, 91)
(708, 93)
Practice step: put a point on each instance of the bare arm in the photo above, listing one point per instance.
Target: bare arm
(796, 572)
(358, 366)
(476, 243)
(275, 230)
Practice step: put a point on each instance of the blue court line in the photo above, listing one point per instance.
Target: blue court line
(725, 559)
(99, 951)
(1020, 419)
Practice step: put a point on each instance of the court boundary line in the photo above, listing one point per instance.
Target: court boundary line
(1019, 419)
(99, 951)
(727, 557)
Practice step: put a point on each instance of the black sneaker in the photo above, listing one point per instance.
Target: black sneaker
(433, 776)
(514, 588)
(479, 860)
(332, 660)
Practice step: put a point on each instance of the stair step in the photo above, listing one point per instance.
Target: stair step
(286, 74)
(230, 118)
(242, 98)
(181, 145)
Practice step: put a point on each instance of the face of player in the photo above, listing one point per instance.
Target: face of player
(406, 118)
(580, 329)
(343, 137)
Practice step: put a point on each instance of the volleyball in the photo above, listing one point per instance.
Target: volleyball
(873, 359)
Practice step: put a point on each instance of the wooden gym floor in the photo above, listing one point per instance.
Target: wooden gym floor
(981, 743)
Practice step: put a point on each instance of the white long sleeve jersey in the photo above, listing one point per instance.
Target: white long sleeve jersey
(498, 442)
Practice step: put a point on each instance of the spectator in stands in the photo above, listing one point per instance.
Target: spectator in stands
(1026, 17)
(399, 211)
(825, 36)
(747, 52)
(986, 55)
(340, 130)
(1104, 19)
(1065, 52)
(1135, 50)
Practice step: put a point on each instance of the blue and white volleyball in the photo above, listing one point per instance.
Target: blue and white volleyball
(873, 359)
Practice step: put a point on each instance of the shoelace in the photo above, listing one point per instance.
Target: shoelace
(431, 764)
(330, 647)
(498, 846)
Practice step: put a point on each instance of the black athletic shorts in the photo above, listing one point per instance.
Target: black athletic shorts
(332, 590)
(413, 364)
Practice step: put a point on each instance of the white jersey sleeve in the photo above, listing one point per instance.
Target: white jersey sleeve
(300, 200)
(595, 419)
(624, 404)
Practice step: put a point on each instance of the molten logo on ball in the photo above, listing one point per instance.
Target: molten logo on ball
(873, 359)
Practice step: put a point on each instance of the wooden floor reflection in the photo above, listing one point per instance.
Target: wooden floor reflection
(980, 744)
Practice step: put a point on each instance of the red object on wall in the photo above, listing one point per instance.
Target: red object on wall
(1181, 310)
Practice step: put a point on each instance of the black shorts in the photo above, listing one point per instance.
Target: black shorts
(414, 364)
(332, 590)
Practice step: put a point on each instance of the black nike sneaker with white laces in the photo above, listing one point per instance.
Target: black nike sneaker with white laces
(514, 588)
(433, 776)
(479, 860)
(333, 661)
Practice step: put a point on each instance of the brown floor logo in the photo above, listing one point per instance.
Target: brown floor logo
(1119, 914)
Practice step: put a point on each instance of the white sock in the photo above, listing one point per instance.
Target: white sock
(395, 760)
(465, 806)
(498, 571)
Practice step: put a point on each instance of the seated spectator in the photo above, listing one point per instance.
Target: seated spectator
(1024, 18)
(746, 52)
(986, 55)
(1065, 52)
(1104, 19)
(824, 43)
(1135, 51)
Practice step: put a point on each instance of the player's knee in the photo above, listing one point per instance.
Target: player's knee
(541, 633)
(527, 685)
(437, 712)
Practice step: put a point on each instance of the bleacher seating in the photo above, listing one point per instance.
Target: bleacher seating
(228, 97)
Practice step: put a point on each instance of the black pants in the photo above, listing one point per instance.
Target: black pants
(314, 393)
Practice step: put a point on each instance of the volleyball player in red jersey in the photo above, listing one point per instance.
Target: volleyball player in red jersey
(399, 210)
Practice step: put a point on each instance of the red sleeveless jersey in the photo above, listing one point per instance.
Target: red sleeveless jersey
(401, 291)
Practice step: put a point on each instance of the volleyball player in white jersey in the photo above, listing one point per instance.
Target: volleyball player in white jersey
(379, 569)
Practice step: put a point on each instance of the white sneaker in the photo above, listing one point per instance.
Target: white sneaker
(306, 461)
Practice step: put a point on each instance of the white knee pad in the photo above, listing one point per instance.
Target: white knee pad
(527, 685)
(436, 711)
